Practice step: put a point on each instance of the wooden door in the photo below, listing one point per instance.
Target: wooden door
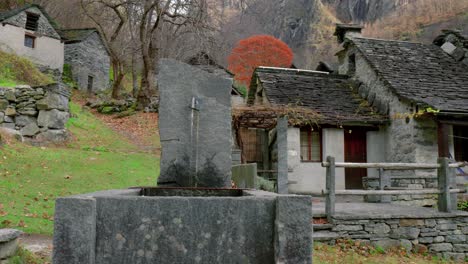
(355, 151)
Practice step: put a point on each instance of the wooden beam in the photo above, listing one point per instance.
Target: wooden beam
(443, 140)
(392, 166)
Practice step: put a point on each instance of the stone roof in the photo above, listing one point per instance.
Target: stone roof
(76, 35)
(420, 73)
(10, 13)
(332, 96)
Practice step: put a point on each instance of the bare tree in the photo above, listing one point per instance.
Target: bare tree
(111, 19)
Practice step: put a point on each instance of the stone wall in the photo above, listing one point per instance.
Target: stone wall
(89, 58)
(444, 236)
(37, 113)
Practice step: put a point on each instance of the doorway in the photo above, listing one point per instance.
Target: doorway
(90, 83)
(355, 151)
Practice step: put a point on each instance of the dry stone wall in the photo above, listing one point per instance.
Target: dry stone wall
(443, 236)
(36, 113)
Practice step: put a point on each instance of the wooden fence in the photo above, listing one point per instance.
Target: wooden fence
(445, 178)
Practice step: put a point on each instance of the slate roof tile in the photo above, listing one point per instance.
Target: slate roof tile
(418, 72)
(330, 95)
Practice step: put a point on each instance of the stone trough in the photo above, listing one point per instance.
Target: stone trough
(183, 225)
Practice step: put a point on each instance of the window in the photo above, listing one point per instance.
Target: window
(30, 41)
(32, 21)
(311, 145)
(460, 140)
(352, 64)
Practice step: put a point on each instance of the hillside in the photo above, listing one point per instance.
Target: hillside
(15, 70)
(308, 26)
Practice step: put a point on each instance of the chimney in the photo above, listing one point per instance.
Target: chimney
(344, 31)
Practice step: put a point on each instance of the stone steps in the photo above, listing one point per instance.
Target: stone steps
(324, 236)
(318, 227)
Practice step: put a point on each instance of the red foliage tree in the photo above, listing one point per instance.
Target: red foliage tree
(260, 50)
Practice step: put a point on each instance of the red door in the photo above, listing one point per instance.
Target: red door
(355, 151)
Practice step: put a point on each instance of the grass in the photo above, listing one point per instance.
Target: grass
(353, 252)
(16, 70)
(31, 178)
(25, 257)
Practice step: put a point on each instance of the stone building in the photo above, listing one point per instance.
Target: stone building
(416, 96)
(88, 58)
(339, 124)
(29, 32)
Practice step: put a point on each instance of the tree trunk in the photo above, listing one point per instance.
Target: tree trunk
(134, 76)
(148, 77)
(118, 77)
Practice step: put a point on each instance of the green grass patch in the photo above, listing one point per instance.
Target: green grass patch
(31, 178)
(16, 70)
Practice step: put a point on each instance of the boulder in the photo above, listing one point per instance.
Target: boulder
(24, 120)
(3, 105)
(10, 95)
(53, 135)
(10, 111)
(53, 101)
(8, 242)
(2, 117)
(30, 130)
(53, 119)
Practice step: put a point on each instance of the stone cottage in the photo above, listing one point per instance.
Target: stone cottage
(88, 58)
(342, 125)
(408, 103)
(29, 32)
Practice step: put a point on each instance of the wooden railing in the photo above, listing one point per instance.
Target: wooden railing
(445, 178)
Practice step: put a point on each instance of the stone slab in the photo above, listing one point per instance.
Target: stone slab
(195, 126)
(8, 249)
(121, 227)
(8, 234)
(74, 230)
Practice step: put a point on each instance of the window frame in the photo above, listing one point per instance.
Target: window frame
(309, 143)
(30, 36)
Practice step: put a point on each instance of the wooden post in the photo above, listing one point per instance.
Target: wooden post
(330, 186)
(443, 140)
(443, 176)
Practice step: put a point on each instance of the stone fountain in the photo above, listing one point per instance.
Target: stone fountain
(193, 216)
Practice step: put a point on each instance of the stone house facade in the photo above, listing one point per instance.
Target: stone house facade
(417, 111)
(88, 58)
(29, 32)
(423, 90)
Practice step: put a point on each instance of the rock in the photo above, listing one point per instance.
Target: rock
(28, 111)
(3, 105)
(454, 256)
(107, 110)
(53, 136)
(179, 86)
(10, 111)
(426, 240)
(420, 249)
(411, 222)
(460, 247)
(405, 233)
(441, 247)
(430, 222)
(53, 101)
(447, 226)
(23, 120)
(8, 242)
(439, 239)
(2, 117)
(30, 130)
(52, 119)
(8, 126)
(347, 228)
(456, 239)
(406, 244)
(11, 132)
(386, 243)
(379, 229)
(10, 95)
(7, 234)
(8, 119)
(449, 48)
